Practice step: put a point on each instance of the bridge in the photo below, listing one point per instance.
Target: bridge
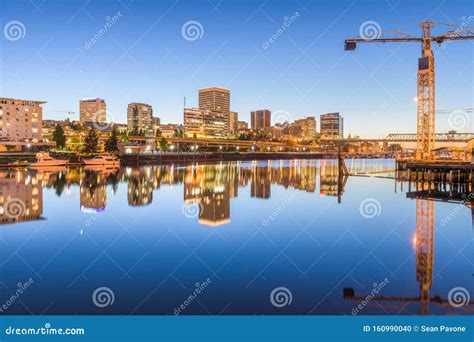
(453, 140)
(442, 137)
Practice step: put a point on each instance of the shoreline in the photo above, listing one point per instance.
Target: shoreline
(167, 158)
(24, 159)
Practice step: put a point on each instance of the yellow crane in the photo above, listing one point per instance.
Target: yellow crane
(425, 131)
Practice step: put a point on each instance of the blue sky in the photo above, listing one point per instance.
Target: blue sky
(143, 57)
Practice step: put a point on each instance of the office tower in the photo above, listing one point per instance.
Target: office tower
(140, 118)
(21, 120)
(332, 125)
(234, 123)
(92, 110)
(216, 100)
(260, 119)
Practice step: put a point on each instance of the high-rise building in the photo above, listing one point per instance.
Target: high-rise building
(332, 125)
(92, 110)
(217, 101)
(21, 120)
(140, 118)
(260, 119)
(234, 123)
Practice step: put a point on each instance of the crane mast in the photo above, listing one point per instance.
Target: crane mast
(425, 97)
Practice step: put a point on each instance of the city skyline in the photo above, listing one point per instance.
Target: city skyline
(303, 71)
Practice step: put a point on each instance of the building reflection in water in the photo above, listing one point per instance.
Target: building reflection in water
(140, 187)
(21, 197)
(210, 187)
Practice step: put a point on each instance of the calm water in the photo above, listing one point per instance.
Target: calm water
(218, 239)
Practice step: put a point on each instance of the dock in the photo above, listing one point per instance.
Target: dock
(437, 171)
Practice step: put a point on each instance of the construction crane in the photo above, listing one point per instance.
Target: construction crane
(426, 75)
(68, 112)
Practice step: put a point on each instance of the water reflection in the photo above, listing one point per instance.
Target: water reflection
(210, 187)
(213, 189)
(21, 197)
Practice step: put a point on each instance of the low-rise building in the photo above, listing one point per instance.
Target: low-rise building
(168, 130)
(21, 120)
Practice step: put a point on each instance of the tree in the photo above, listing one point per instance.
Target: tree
(124, 137)
(163, 145)
(74, 126)
(91, 142)
(59, 137)
(111, 145)
(179, 132)
(74, 143)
